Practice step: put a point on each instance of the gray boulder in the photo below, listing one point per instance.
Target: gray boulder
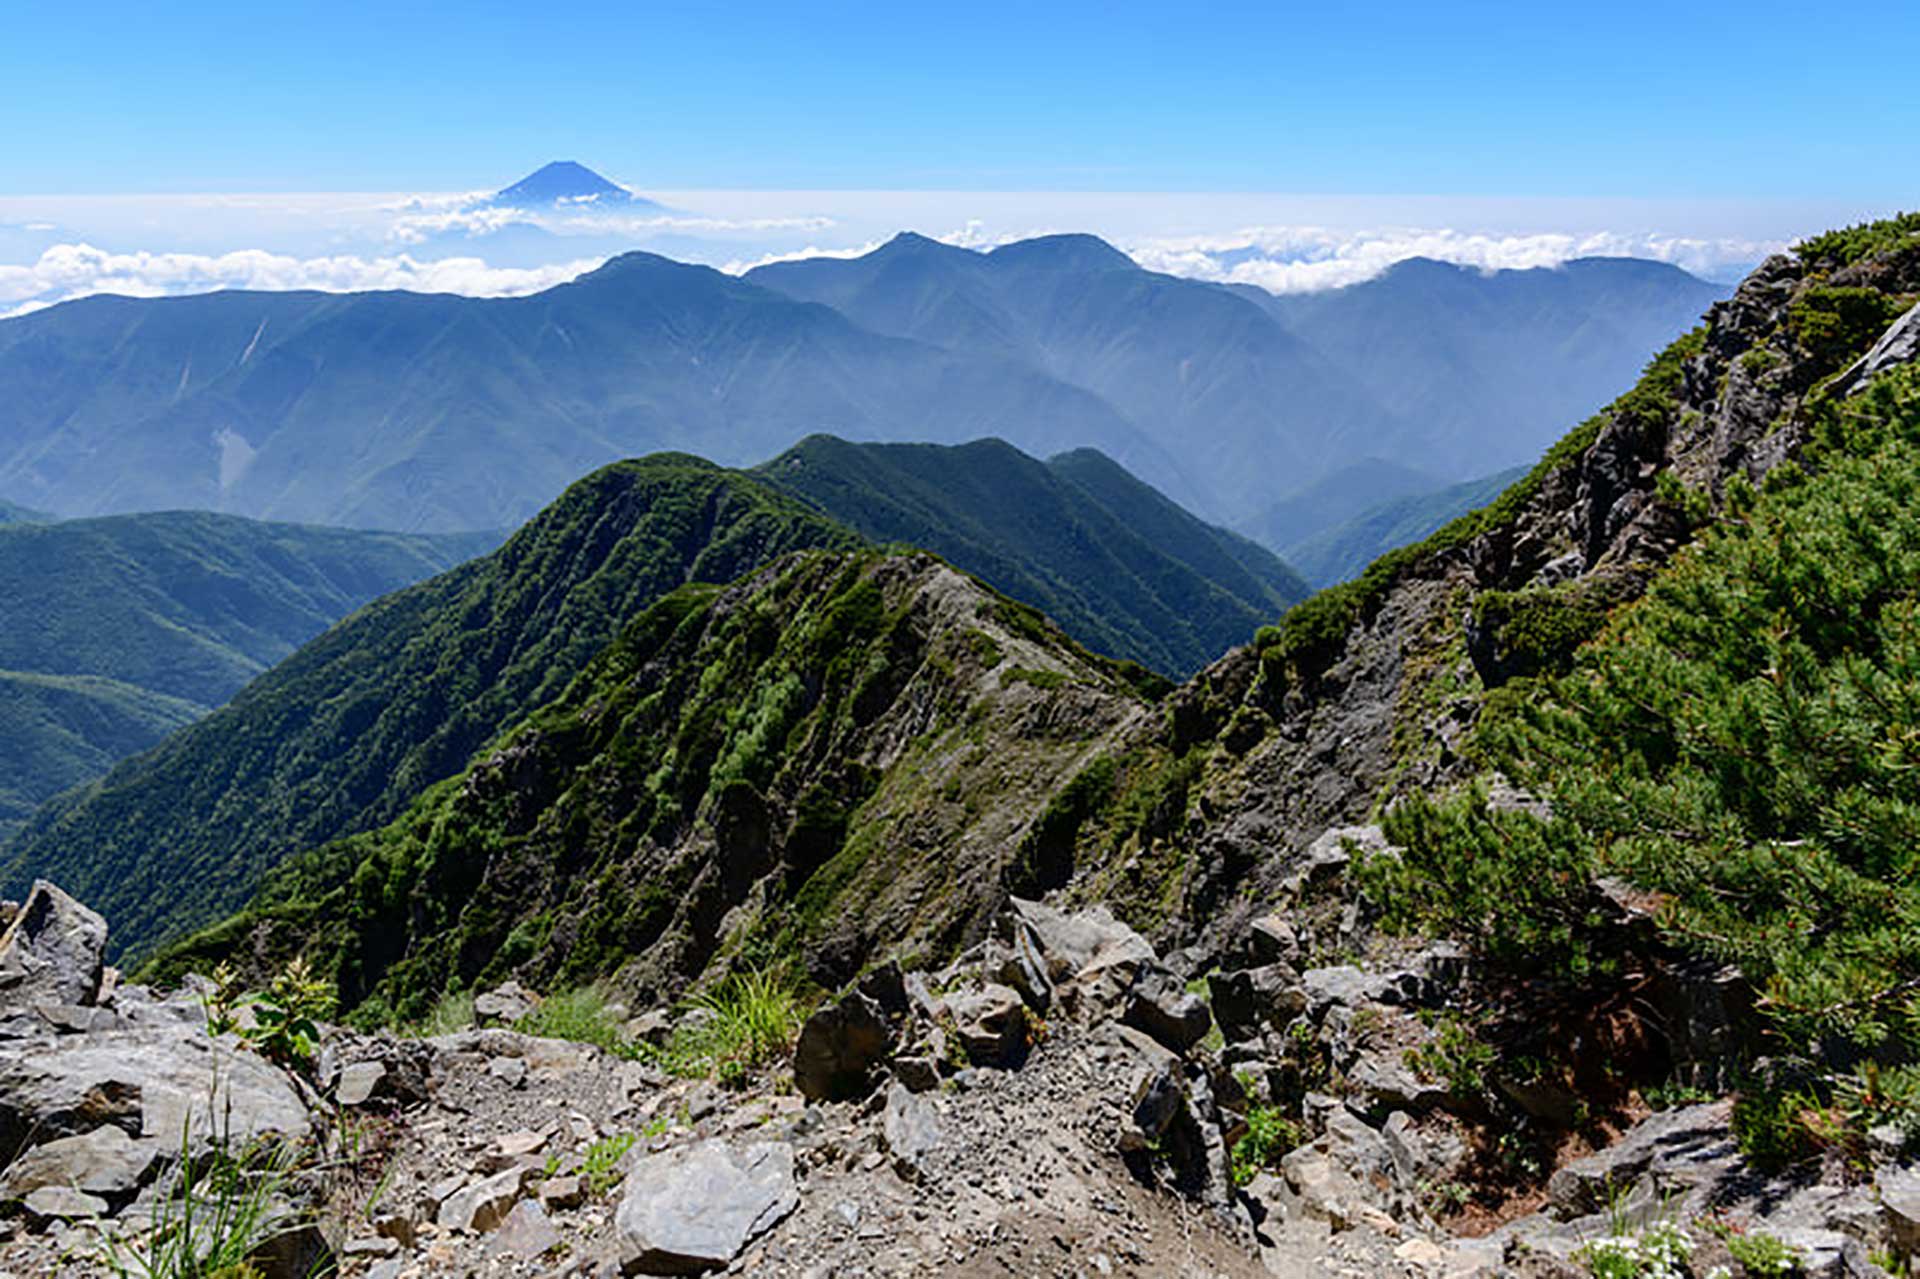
(161, 1080)
(52, 953)
(508, 1002)
(105, 1162)
(1249, 1002)
(695, 1208)
(991, 1024)
(482, 1206)
(911, 1128)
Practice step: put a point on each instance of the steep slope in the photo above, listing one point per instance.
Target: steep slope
(838, 751)
(190, 604)
(343, 734)
(419, 412)
(1345, 547)
(1371, 690)
(1122, 569)
(122, 630)
(1226, 392)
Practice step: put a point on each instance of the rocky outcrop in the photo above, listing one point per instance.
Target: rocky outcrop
(52, 954)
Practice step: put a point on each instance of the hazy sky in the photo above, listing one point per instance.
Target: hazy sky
(155, 148)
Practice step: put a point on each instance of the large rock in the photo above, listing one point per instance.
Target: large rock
(695, 1208)
(912, 1131)
(104, 1162)
(53, 953)
(991, 1024)
(159, 1079)
(1676, 1150)
(1249, 1002)
(1159, 1004)
(1088, 949)
(839, 1049)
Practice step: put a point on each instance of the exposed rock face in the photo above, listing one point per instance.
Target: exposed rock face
(697, 1208)
(53, 953)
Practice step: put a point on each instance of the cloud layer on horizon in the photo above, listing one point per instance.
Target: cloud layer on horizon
(1304, 259)
(1283, 259)
(68, 271)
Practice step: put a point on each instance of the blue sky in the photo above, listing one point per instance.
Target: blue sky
(1672, 101)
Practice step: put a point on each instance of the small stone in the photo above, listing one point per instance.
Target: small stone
(918, 1073)
(526, 1233)
(524, 1142)
(511, 1071)
(484, 1205)
(508, 1002)
(375, 1246)
(563, 1193)
(358, 1082)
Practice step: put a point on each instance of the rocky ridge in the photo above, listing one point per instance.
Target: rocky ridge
(1060, 1100)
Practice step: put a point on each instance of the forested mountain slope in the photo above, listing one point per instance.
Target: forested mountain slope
(1124, 570)
(120, 630)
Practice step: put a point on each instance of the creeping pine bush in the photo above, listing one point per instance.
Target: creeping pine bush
(1744, 742)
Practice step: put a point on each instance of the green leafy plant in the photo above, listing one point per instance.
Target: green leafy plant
(1270, 1134)
(1761, 1255)
(281, 1023)
(1456, 1056)
(601, 1163)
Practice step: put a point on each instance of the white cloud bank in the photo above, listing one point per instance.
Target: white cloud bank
(67, 271)
(1303, 259)
(1281, 257)
(475, 218)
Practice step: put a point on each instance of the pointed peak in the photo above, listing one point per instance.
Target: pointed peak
(912, 242)
(563, 182)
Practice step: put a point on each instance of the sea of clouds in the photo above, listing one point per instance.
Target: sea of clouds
(53, 251)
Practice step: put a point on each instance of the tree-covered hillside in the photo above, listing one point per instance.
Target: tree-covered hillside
(343, 734)
(839, 752)
(121, 630)
(1123, 570)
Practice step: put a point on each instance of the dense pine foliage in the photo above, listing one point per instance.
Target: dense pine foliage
(1743, 744)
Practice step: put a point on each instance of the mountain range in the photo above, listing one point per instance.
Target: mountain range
(394, 410)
